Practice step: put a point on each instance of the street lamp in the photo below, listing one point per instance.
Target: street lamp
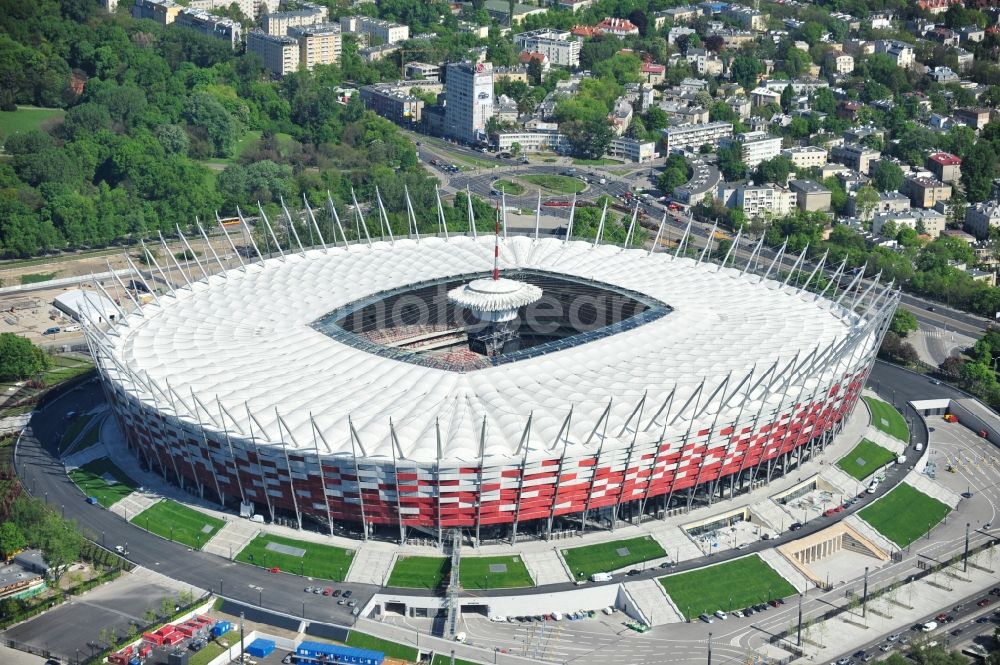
(260, 597)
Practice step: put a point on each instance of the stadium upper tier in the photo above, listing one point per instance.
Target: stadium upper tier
(238, 353)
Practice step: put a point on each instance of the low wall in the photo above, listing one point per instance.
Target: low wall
(978, 418)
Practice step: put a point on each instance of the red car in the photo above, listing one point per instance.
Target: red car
(274, 570)
(941, 617)
(327, 591)
(984, 602)
(829, 512)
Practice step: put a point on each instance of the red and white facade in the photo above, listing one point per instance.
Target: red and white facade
(222, 386)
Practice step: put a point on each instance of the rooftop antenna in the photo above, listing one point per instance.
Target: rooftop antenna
(496, 249)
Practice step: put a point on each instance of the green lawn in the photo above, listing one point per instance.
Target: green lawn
(64, 369)
(172, 520)
(561, 184)
(886, 418)
(91, 437)
(904, 514)
(727, 586)
(90, 479)
(74, 430)
(604, 161)
(419, 572)
(865, 459)
(26, 119)
(509, 187)
(603, 557)
(475, 573)
(321, 561)
(37, 277)
(390, 649)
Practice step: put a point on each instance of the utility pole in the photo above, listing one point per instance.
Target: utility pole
(864, 596)
(242, 656)
(798, 637)
(965, 558)
(710, 649)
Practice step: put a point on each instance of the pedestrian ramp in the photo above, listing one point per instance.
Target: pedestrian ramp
(133, 504)
(932, 489)
(869, 532)
(545, 567)
(786, 569)
(771, 515)
(890, 443)
(371, 565)
(85, 456)
(653, 602)
(677, 543)
(231, 538)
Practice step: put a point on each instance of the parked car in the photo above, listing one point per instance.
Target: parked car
(795, 526)
(722, 615)
(706, 618)
(347, 593)
(634, 571)
(984, 602)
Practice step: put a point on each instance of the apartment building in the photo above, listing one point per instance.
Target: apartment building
(574, 5)
(855, 156)
(806, 157)
(531, 141)
(469, 95)
(213, 26)
(422, 70)
(163, 12)
(810, 196)
(768, 200)
(756, 146)
(676, 15)
(694, 136)
(839, 62)
(394, 101)
(888, 202)
(924, 192)
(278, 23)
(319, 44)
(556, 45)
(618, 27)
(981, 217)
(632, 150)
(376, 31)
(945, 166)
(747, 17)
(704, 62)
(930, 222)
(280, 53)
(901, 52)
(976, 118)
(250, 8)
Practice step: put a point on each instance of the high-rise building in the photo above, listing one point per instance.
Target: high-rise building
(756, 146)
(557, 46)
(280, 53)
(278, 23)
(469, 100)
(319, 44)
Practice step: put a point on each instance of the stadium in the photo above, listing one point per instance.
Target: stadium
(507, 387)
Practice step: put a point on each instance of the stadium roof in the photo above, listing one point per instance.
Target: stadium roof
(246, 339)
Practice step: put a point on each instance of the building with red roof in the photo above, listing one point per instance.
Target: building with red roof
(619, 27)
(654, 72)
(945, 166)
(585, 31)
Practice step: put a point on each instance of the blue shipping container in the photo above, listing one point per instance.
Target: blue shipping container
(260, 648)
(135, 661)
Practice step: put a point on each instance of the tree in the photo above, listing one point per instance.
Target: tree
(978, 171)
(903, 322)
(745, 70)
(207, 115)
(19, 358)
(731, 163)
(787, 97)
(887, 176)
(865, 200)
(589, 139)
(774, 170)
(796, 62)
(11, 539)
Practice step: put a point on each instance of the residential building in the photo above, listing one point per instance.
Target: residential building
(888, 202)
(839, 62)
(676, 15)
(734, 39)
(621, 116)
(806, 157)
(810, 195)
(761, 96)
(395, 101)
(525, 58)
(704, 62)
(965, 59)
(855, 156)
(902, 53)
(278, 23)
(531, 141)
(500, 11)
(740, 105)
(945, 166)
(211, 25)
(924, 192)
(422, 70)
(517, 73)
(678, 31)
(280, 53)
(981, 217)
(942, 75)
(574, 5)
(618, 27)
(557, 46)
(505, 109)
(929, 222)
(163, 12)
(632, 150)
(479, 31)
(377, 31)
(768, 200)
(319, 44)
(756, 146)
(693, 85)
(694, 136)
(653, 72)
(972, 33)
(469, 100)
(976, 118)
(800, 86)
(747, 17)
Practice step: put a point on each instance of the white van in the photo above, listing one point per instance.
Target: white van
(460, 637)
(929, 626)
(557, 616)
(600, 577)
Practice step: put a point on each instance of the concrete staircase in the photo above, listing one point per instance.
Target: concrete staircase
(888, 442)
(545, 567)
(868, 531)
(231, 538)
(677, 543)
(653, 602)
(771, 515)
(841, 482)
(932, 489)
(786, 569)
(371, 565)
(133, 504)
(85, 456)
